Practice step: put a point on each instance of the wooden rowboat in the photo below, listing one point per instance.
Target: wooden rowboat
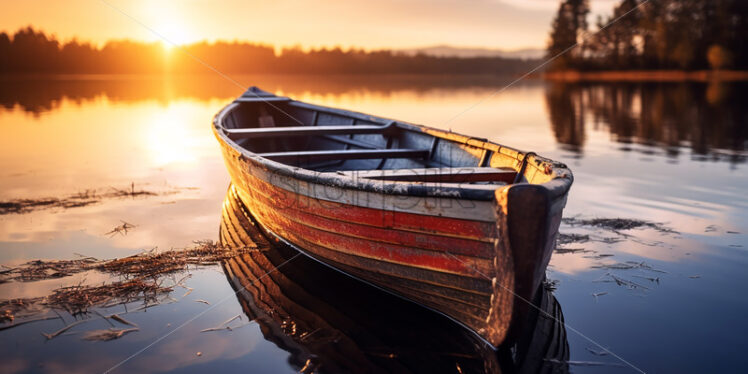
(329, 322)
(461, 225)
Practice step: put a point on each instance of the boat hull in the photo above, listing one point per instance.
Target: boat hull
(329, 323)
(473, 247)
(452, 256)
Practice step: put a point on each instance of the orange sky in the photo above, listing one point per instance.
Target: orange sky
(506, 24)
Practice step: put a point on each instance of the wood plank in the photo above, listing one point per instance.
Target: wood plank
(259, 190)
(462, 265)
(424, 240)
(416, 287)
(352, 142)
(287, 131)
(476, 285)
(261, 99)
(245, 171)
(447, 175)
(353, 154)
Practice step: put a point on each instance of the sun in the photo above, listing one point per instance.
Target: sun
(175, 32)
(169, 23)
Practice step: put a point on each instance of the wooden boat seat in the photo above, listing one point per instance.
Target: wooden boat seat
(349, 154)
(443, 175)
(287, 131)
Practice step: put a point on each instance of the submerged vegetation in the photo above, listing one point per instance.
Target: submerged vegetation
(76, 200)
(613, 226)
(143, 278)
(149, 264)
(604, 261)
(77, 300)
(617, 224)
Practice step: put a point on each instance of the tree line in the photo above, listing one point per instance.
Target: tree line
(654, 34)
(32, 51)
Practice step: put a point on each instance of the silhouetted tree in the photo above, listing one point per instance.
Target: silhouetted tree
(30, 51)
(5, 46)
(662, 34)
(568, 27)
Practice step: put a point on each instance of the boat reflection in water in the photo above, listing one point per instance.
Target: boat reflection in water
(330, 322)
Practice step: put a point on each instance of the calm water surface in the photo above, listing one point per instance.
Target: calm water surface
(672, 153)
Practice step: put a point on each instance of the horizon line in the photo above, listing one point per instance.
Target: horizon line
(277, 47)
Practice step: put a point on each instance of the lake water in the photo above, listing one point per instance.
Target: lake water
(661, 300)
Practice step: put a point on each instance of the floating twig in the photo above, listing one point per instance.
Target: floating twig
(180, 283)
(216, 329)
(66, 328)
(106, 335)
(624, 282)
(239, 316)
(562, 250)
(596, 353)
(122, 320)
(584, 363)
(16, 324)
(104, 318)
(225, 325)
(653, 280)
(121, 229)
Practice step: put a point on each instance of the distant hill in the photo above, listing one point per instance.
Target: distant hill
(449, 51)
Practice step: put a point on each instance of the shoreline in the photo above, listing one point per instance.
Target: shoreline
(555, 76)
(646, 75)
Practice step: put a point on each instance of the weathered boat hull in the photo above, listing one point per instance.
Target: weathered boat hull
(477, 260)
(331, 323)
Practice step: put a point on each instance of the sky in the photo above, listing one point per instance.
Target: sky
(368, 24)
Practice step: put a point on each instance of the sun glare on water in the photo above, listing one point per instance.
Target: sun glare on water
(174, 136)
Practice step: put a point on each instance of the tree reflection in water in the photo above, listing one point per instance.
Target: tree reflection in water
(707, 117)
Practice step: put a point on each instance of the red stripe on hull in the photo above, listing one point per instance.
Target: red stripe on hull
(283, 226)
(432, 242)
(397, 220)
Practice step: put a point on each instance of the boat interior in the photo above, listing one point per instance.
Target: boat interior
(348, 143)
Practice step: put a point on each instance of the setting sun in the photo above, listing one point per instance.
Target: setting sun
(171, 25)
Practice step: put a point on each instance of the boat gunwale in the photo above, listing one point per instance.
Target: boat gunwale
(557, 187)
